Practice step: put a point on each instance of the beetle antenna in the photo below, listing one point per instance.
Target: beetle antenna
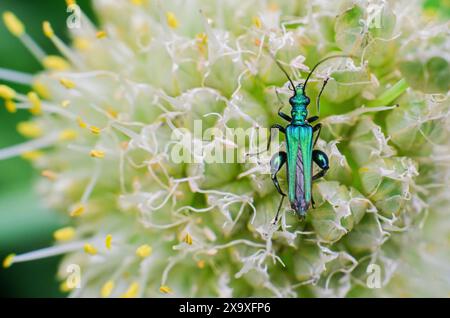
(320, 62)
(320, 94)
(283, 70)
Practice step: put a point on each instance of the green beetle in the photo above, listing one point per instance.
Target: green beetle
(300, 153)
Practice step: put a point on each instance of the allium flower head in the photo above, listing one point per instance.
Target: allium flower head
(115, 112)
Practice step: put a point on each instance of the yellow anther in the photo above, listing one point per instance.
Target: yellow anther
(90, 249)
(64, 287)
(13, 24)
(202, 38)
(81, 123)
(41, 89)
(29, 129)
(32, 155)
(144, 251)
(165, 289)
(132, 291)
(257, 22)
(64, 234)
(138, 2)
(108, 241)
(71, 2)
(56, 63)
(363, 170)
(7, 92)
(49, 175)
(36, 105)
(67, 83)
(48, 30)
(100, 34)
(77, 211)
(68, 134)
(65, 103)
(188, 239)
(69, 284)
(171, 20)
(202, 42)
(107, 289)
(9, 260)
(201, 264)
(10, 106)
(112, 112)
(95, 130)
(81, 43)
(97, 154)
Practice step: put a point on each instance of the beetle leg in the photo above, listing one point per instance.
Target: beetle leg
(276, 163)
(312, 119)
(275, 220)
(317, 128)
(275, 126)
(320, 174)
(321, 159)
(284, 116)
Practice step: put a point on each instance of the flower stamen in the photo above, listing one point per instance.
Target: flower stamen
(144, 251)
(64, 234)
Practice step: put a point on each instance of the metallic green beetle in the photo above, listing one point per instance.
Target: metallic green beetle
(300, 153)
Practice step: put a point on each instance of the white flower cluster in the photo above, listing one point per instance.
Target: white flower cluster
(107, 109)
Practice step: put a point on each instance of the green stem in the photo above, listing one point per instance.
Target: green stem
(390, 95)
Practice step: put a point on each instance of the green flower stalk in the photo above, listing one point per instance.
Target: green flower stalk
(112, 110)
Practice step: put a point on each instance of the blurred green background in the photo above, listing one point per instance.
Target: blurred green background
(25, 224)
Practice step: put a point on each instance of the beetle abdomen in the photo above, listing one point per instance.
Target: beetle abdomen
(300, 204)
(299, 168)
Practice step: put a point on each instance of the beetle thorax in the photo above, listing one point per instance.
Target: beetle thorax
(299, 103)
(299, 114)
